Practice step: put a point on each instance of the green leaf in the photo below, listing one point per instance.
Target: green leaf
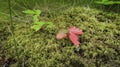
(107, 2)
(35, 18)
(104, 0)
(37, 12)
(29, 12)
(39, 23)
(50, 24)
(117, 2)
(36, 27)
(62, 32)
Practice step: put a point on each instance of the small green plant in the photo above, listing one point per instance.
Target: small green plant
(37, 24)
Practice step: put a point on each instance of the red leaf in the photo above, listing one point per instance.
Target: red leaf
(74, 39)
(73, 35)
(61, 34)
(75, 30)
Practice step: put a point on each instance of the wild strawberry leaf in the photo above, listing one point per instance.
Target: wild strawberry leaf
(29, 12)
(35, 18)
(37, 25)
(37, 12)
(74, 39)
(49, 24)
(74, 32)
(61, 34)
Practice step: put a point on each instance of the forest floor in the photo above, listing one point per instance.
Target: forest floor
(100, 43)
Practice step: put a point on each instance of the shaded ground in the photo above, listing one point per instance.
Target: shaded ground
(100, 43)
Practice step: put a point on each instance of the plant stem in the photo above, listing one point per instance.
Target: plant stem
(12, 30)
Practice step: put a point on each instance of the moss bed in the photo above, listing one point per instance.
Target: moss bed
(100, 43)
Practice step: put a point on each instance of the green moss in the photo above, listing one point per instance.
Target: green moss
(99, 43)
